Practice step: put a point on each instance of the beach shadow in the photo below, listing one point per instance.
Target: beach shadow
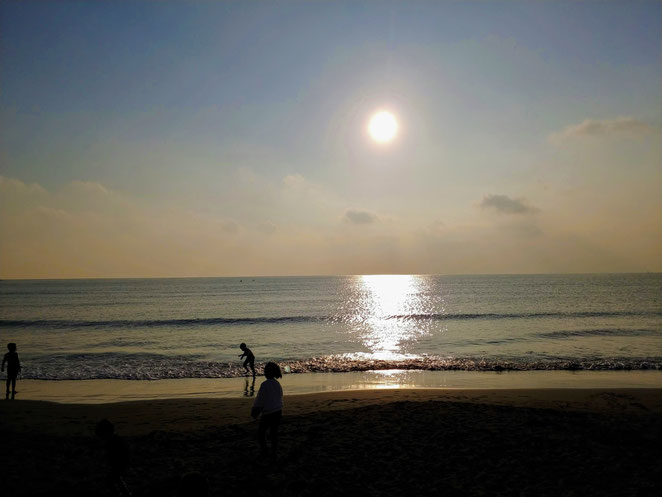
(193, 484)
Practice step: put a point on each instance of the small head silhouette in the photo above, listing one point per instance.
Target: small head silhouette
(12, 347)
(272, 370)
(104, 429)
(242, 346)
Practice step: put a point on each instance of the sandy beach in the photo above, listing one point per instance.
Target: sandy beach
(373, 442)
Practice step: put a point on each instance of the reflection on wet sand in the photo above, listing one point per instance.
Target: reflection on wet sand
(249, 387)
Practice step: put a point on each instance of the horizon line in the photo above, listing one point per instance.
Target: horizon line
(75, 278)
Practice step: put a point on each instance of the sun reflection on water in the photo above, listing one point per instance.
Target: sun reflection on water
(386, 312)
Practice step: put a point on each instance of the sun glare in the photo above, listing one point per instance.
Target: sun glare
(383, 127)
(385, 301)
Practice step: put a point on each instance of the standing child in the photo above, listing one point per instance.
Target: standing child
(13, 367)
(250, 358)
(117, 457)
(269, 404)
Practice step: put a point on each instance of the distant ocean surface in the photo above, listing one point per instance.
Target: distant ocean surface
(191, 328)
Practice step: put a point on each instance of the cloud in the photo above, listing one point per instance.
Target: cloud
(230, 227)
(298, 190)
(503, 204)
(267, 227)
(436, 227)
(295, 181)
(90, 187)
(11, 185)
(523, 230)
(604, 127)
(355, 216)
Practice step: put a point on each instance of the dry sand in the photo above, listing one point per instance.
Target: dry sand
(370, 442)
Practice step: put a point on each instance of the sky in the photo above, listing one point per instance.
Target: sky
(183, 139)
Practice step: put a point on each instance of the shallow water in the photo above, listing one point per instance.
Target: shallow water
(191, 328)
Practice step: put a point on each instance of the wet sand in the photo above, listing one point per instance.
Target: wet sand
(369, 442)
(106, 391)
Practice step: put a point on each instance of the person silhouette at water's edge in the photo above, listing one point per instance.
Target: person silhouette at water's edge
(13, 368)
(250, 358)
(269, 406)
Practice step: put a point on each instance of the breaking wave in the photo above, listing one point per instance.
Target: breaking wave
(155, 367)
(225, 321)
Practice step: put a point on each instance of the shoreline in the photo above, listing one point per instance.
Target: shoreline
(111, 390)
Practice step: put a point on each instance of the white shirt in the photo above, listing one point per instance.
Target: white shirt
(269, 397)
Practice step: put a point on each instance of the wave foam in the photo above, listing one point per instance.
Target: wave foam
(155, 367)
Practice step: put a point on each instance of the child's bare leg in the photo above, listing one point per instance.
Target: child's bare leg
(8, 383)
(273, 434)
(262, 434)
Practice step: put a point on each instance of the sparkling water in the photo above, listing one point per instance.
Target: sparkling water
(192, 328)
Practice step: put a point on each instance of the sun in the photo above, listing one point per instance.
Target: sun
(383, 127)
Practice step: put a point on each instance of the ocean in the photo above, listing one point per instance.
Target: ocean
(149, 329)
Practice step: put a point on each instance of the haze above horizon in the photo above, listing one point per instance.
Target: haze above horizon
(177, 139)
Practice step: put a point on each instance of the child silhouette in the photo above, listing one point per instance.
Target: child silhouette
(117, 456)
(250, 358)
(269, 405)
(13, 367)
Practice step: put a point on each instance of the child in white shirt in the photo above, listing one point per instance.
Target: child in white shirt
(269, 404)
